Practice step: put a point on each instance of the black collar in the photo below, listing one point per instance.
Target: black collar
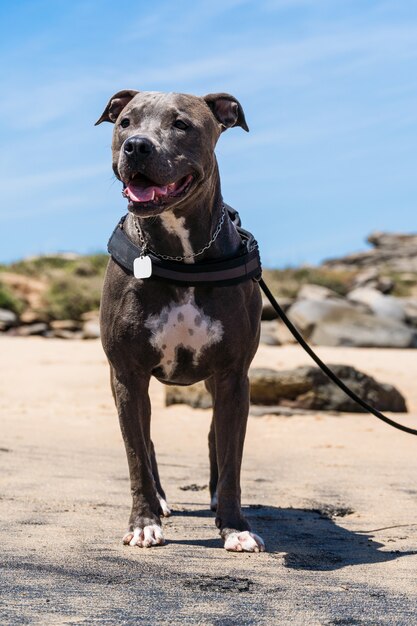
(227, 271)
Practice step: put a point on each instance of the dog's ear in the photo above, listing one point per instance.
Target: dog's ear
(115, 105)
(227, 110)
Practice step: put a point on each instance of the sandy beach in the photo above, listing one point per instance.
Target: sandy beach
(334, 497)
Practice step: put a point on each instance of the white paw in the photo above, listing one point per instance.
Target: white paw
(244, 542)
(145, 537)
(213, 502)
(166, 511)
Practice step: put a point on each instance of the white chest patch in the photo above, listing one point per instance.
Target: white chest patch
(182, 325)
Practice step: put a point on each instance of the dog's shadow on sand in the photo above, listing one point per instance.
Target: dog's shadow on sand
(306, 539)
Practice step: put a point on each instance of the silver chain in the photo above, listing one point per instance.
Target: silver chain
(166, 257)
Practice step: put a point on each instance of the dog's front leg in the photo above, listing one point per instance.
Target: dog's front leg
(134, 408)
(231, 408)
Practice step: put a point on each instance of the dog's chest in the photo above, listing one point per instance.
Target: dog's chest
(182, 324)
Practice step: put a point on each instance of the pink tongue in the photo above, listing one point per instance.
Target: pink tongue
(147, 194)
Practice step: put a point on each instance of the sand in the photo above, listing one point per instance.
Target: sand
(334, 497)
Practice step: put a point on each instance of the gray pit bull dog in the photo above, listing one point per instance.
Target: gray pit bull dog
(163, 153)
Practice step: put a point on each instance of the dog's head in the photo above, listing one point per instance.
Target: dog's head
(163, 144)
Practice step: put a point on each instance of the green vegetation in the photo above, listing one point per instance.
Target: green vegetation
(287, 282)
(404, 284)
(9, 300)
(47, 266)
(73, 284)
(69, 296)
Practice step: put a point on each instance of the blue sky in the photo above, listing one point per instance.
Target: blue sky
(329, 88)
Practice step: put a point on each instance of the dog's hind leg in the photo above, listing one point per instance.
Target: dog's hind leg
(166, 511)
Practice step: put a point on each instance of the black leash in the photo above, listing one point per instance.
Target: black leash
(326, 369)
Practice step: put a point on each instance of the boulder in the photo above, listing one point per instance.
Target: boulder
(91, 329)
(59, 333)
(66, 329)
(29, 330)
(30, 316)
(70, 325)
(269, 334)
(380, 304)
(306, 314)
(394, 251)
(7, 319)
(371, 277)
(348, 323)
(90, 315)
(305, 388)
(394, 241)
(361, 330)
(284, 335)
(277, 409)
(325, 395)
(195, 395)
(268, 311)
(269, 386)
(410, 309)
(317, 292)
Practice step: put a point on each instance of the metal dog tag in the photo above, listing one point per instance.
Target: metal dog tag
(142, 267)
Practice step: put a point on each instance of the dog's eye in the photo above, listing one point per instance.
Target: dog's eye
(180, 124)
(125, 122)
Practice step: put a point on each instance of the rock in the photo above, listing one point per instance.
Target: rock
(346, 323)
(32, 317)
(370, 277)
(40, 328)
(269, 386)
(380, 304)
(384, 284)
(393, 241)
(268, 311)
(66, 334)
(316, 292)
(7, 319)
(66, 329)
(284, 335)
(394, 251)
(303, 388)
(281, 411)
(269, 335)
(71, 325)
(90, 315)
(324, 394)
(306, 314)
(196, 396)
(91, 330)
(361, 330)
(410, 309)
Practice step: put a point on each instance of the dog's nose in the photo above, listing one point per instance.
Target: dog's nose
(138, 146)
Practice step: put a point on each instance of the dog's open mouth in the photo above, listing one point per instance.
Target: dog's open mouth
(141, 189)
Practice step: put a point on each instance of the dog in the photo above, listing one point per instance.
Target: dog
(163, 153)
